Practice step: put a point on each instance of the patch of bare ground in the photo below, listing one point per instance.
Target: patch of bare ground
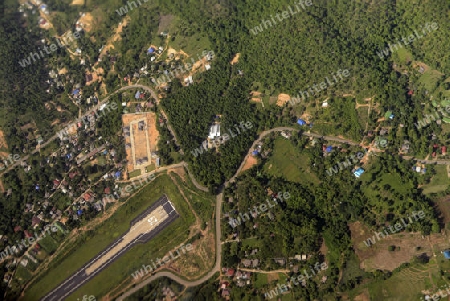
(3, 143)
(164, 22)
(272, 277)
(443, 206)
(250, 161)
(86, 21)
(377, 256)
(364, 296)
(282, 99)
(323, 249)
(197, 261)
(235, 60)
(179, 171)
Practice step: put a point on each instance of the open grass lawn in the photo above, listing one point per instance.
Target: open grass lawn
(251, 242)
(351, 269)
(88, 246)
(429, 79)
(439, 182)
(402, 56)
(202, 202)
(405, 285)
(260, 280)
(22, 274)
(192, 45)
(363, 116)
(287, 162)
(134, 173)
(340, 118)
(49, 244)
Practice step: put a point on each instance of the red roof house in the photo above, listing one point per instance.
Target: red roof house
(27, 234)
(35, 221)
(230, 272)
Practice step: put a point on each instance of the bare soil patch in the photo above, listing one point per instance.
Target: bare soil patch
(378, 257)
(78, 2)
(282, 99)
(272, 277)
(164, 22)
(235, 60)
(3, 143)
(249, 163)
(364, 296)
(179, 171)
(86, 21)
(143, 143)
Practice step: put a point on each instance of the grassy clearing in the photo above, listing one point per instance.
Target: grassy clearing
(260, 280)
(439, 182)
(134, 173)
(430, 79)
(90, 245)
(49, 244)
(288, 163)
(340, 118)
(402, 56)
(404, 285)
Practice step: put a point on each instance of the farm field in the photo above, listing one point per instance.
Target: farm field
(107, 232)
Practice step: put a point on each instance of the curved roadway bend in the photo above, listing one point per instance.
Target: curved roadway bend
(219, 200)
(177, 278)
(219, 196)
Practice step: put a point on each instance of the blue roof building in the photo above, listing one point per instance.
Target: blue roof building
(151, 50)
(358, 172)
(301, 122)
(255, 153)
(447, 254)
(76, 91)
(137, 95)
(117, 174)
(329, 149)
(79, 212)
(37, 187)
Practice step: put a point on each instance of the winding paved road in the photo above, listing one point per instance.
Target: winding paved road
(219, 197)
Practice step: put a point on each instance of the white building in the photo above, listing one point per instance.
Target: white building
(214, 131)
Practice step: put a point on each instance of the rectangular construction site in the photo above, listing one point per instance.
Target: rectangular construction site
(141, 138)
